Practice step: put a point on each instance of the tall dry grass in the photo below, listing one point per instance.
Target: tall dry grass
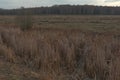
(59, 54)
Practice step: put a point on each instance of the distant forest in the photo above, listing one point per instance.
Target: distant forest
(66, 10)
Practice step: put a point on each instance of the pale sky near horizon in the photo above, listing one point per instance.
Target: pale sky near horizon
(9, 4)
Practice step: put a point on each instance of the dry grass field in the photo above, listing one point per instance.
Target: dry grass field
(61, 48)
(95, 23)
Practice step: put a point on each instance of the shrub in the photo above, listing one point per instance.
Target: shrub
(24, 19)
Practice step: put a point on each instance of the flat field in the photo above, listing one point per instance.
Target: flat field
(88, 22)
(61, 48)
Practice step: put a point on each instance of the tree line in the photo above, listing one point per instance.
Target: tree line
(66, 10)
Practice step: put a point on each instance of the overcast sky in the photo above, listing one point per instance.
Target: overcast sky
(9, 4)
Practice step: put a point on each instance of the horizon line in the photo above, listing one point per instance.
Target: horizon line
(60, 5)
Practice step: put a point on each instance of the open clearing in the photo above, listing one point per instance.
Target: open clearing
(61, 48)
(95, 23)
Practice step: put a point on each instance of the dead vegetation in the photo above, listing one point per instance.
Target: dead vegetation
(61, 54)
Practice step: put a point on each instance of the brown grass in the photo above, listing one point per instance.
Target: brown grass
(61, 48)
(63, 54)
(98, 23)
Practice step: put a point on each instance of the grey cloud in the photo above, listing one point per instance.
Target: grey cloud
(37, 3)
(33, 3)
(111, 0)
